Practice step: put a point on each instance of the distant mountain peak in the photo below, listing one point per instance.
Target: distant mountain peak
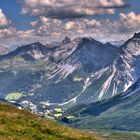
(132, 46)
(33, 51)
(137, 35)
(66, 40)
(33, 45)
(108, 44)
(82, 40)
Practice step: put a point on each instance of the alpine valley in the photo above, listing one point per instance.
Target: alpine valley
(81, 82)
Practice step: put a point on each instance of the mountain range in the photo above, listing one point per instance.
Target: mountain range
(83, 80)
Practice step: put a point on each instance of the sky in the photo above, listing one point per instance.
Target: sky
(27, 21)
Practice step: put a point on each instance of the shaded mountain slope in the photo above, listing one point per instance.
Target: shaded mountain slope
(61, 69)
(121, 112)
(29, 52)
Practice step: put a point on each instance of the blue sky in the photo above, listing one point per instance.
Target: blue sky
(48, 20)
(12, 9)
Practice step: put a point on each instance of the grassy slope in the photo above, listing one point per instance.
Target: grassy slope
(17, 124)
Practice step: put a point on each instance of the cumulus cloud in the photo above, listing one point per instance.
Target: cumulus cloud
(11, 37)
(49, 26)
(3, 19)
(129, 22)
(105, 30)
(47, 29)
(69, 25)
(33, 23)
(113, 4)
(70, 8)
(59, 29)
(121, 29)
(7, 32)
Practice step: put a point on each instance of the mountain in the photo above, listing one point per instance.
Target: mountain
(83, 58)
(85, 52)
(118, 76)
(31, 52)
(20, 124)
(117, 43)
(121, 109)
(65, 41)
(63, 69)
(122, 112)
(74, 72)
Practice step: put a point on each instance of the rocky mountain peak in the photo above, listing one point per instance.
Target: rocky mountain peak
(132, 46)
(137, 35)
(34, 50)
(66, 40)
(87, 40)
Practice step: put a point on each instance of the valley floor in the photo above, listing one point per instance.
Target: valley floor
(115, 134)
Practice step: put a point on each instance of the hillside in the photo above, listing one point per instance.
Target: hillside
(17, 124)
(22, 125)
(121, 112)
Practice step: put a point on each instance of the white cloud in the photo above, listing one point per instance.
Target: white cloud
(70, 8)
(106, 30)
(3, 19)
(46, 29)
(112, 3)
(130, 21)
(7, 32)
(69, 25)
(33, 23)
